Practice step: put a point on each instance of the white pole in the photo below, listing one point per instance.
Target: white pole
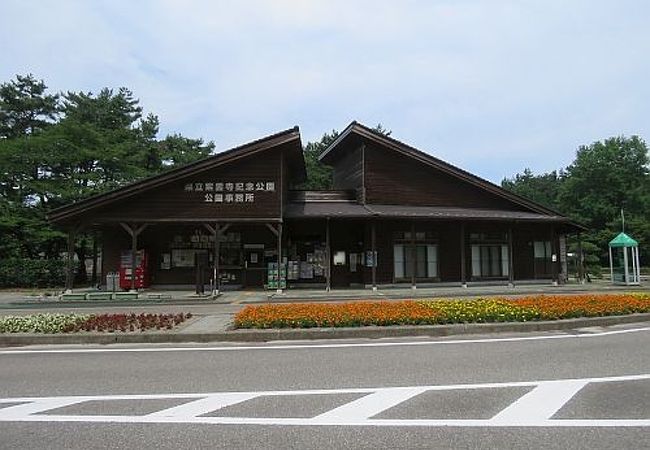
(625, 262)
(633, 255)
(611, 265)
(638, 266)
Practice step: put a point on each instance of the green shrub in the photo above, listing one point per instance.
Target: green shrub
(18, 272)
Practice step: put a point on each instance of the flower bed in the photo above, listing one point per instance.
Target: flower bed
(71, 323)
(428, 312)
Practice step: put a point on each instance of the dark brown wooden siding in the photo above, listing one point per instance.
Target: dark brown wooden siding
(348, 171)
(173, 202)
(395, 179)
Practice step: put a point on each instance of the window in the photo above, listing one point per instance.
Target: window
(422, 257)
(490, 261)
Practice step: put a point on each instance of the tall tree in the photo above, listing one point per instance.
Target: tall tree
(25, 108)
(177, 150)
(543, 189)
(319, 176)
(55, 149)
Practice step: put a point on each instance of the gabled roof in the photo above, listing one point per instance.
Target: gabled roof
(290, 136)
(359, 132)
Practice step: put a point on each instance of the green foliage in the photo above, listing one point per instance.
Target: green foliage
(23, 272)
(319, 176)
(543, 189)
(25, 108)
(176, 150)
(60, 148)
(604, 178)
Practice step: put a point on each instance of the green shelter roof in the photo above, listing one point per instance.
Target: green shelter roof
(623, 240)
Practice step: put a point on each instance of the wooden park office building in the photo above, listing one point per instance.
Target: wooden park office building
(395, 216)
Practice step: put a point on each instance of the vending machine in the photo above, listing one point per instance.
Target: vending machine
(141, 270)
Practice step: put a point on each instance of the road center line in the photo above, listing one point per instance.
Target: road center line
(322, 346)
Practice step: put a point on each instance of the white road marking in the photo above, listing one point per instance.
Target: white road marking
(541, 403)
(318, 346)
(533, 409)
(204, 405)
(37, 406)
(370, 405)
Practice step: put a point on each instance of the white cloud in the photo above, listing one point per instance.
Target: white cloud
(492, 86)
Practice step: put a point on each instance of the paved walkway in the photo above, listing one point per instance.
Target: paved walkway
(11, 299)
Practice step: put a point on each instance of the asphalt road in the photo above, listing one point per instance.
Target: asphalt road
(584, 389)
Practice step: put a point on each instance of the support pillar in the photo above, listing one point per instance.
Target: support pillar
(413, 256)
(279, 289)
(373, 249)
(93, 278)
(511, 275)
(555, 252)
(216, 231)
(463, 264)
(625, 268)
(134, 231)
(69, 272)
(611, 265)
(581, 261)
(328, 254)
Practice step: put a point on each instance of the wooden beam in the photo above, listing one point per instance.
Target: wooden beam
(511, 275)
(463, 264)
(328, 267)
(93, 277)
(272, 228)
(581, 261)
(554, 251)
(216, 232)
(279, 288)
(69, 272)
(373, 245)
(413, 256)
(134, 231)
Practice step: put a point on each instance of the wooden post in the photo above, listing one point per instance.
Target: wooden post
(216, 233)
(134, 251)
(134, 231)
(413, 256)
(69, 272)
(93, 278)
(581, 261)
(463, 265)
(279, 290)
(511, 275)
(556, 253)
(217, 255)
(328, 252)
(373, 245)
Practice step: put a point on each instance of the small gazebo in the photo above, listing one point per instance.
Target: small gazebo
(624, 260)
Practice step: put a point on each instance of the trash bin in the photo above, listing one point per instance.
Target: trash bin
(112, 281)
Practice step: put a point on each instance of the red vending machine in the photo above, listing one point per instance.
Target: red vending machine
(141, 270)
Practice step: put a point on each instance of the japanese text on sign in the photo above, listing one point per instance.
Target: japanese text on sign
(230, 192)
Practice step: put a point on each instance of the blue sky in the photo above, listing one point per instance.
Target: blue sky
(491, 86)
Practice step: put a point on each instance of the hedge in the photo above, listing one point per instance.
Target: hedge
(16, 272)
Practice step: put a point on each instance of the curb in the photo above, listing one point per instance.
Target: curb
(371, 332)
